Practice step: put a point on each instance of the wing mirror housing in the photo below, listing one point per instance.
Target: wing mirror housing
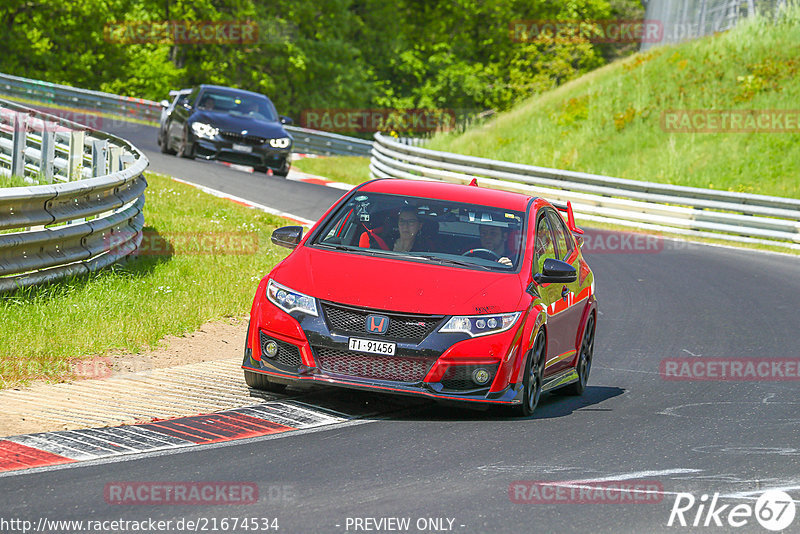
(287, 236)
(286, 120)
(556, 272)
(164, 104)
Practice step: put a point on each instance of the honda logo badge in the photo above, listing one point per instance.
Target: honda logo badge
(377, 324)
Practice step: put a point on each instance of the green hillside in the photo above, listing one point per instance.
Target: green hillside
(610, 120)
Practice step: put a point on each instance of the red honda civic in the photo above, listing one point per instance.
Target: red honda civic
(447, 291)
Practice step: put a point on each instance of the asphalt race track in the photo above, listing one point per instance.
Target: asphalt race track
(448, 469)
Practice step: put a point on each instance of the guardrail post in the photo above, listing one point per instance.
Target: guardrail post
(99, 158)
(114, 154)
(48, 152)
(75, 155)
(18, 142)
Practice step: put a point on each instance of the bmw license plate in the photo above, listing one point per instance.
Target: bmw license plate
(371, 346)
(242, 148)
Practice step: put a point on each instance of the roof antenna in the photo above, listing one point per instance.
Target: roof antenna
(474, 182)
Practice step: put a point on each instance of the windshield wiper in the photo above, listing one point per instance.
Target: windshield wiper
(452, 261)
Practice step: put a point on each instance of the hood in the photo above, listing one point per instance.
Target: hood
(230, 123)
(398, 285)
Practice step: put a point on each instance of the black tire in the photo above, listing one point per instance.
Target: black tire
(262, 382)
(284, 170)
(163, 142)
(532, 379)
(185, 150)
(584, 364)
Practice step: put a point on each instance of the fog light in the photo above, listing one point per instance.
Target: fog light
(480, 376)
(270, 348)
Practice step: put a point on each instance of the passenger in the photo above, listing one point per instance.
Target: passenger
(495, 238)
(408, 228)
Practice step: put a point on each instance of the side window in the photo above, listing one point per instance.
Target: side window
(563, 239)
(544, 245)
(193, 96)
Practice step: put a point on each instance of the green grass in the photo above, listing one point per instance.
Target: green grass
(131, 306)
(13, 181)
(608, 121)
(348, 169)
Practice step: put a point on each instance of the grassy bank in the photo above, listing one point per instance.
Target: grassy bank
(348, 169)
(220, 250)
(610, 120)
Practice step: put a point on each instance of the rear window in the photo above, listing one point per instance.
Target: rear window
(428, 230)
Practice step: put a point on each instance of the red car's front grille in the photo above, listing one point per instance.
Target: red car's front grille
(394, 368)
(406, 327)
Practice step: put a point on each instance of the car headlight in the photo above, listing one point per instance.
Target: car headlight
(281, 142)
(290, 300)
(481, 325)
(202, 129)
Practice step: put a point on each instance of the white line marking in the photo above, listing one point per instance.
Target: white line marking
(639, 474)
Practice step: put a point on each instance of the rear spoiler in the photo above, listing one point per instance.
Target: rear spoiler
(567, 208)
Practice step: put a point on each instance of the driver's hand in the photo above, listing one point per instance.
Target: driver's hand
(505, 261)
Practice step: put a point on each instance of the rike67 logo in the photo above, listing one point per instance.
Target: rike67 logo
(774, 510)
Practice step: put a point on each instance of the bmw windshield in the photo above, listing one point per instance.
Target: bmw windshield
(430, 230)
(237, 104)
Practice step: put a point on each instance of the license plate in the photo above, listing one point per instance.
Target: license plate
(242, 148)
(371, 346)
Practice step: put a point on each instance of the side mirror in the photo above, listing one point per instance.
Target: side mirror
(288, 236)
(164, 104)
(286, 120)
(556, 272)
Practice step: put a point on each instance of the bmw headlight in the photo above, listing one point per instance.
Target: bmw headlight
(481, 325)
(290, 300)
(281, 142)
(204, 130)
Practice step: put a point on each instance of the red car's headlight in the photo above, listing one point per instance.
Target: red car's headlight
(481, 325)
(290, 300)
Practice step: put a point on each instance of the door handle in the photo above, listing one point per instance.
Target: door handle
(565, 293)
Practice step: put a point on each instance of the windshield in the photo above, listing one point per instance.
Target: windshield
(421, 229)
(238, 105)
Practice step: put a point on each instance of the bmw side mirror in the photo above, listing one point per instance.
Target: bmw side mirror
(164, 103)
(286, 120)
(288, 236)
(556, 272)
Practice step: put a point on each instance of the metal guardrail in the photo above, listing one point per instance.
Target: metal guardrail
(88, 214)
(305, 140)
(328, 144)
(681, 210)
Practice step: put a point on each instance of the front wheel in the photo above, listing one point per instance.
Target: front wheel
(584, 361)
(262, 382)
(284, 170)
(186, 149)
(532, 380)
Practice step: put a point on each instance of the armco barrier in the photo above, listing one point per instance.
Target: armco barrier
(724, 215)
(305, 140)
(93, 195)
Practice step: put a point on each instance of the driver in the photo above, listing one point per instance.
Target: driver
(495, 238)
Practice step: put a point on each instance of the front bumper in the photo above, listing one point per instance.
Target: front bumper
(262, 155)
(434, 364)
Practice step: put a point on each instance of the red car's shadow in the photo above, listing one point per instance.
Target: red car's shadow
(369, 405)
